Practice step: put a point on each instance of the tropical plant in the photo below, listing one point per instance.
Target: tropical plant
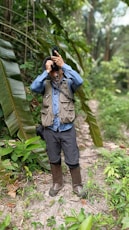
(22, 154)
(76, 221)
(5, 223)
(17, 115)
(117, 176)
(113, 115)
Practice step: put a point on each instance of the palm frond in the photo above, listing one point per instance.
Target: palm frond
(13, 101)
(90, 119)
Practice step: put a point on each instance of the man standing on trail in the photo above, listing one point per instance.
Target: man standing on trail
(57, 84)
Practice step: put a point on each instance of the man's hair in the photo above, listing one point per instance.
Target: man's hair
(44, 62)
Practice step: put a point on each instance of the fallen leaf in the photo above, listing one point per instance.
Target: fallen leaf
(12, 194)
(122, 146)
(11, 205)
(12, 188)
(83, 202)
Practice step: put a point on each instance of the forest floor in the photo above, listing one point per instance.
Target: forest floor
(32, 207)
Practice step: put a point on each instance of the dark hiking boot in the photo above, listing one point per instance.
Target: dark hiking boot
(57, 178)
(77, 183)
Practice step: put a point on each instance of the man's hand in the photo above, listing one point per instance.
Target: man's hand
(58, 59)
(49, 64)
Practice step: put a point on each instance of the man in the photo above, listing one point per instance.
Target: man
(57, 84)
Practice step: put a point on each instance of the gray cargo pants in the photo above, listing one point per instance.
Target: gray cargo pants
(62, 141)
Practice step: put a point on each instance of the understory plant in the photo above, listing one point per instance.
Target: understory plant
(76, 221)
(117, 178)
(113, 115)
(29, 154)
(5, 223)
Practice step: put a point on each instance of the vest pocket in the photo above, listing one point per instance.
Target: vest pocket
(68, 113)
(46, 118)
(46, 101)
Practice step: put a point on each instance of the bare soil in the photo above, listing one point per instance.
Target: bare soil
(32, 205)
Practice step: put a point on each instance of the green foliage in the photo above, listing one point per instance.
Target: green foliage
(107, 83)
(36, 224)
(76, 221)
(29, 154)
(44, 28)
(126, 1)
(117, 160)
(117, 176)
(16, 111)
(6, 173)
(5, 223)
(103, 221)
(87, 223)
(113, 115)
(109, 75)
(119, 197)
(83, 221)
(93, 190)
(125, 222)
(90, 119)
(51, 221)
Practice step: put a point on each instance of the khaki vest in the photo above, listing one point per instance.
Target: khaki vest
(66, 105)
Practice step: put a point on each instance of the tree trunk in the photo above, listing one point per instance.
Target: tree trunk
(8, 15)
(107, 45)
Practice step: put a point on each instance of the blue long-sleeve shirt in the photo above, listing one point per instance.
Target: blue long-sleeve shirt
(74, 81)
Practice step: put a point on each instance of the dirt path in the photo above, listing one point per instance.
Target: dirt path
(33, 206)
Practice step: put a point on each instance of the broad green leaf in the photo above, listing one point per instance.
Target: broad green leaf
(13, 101)
(90, 119)
(5, 223)
(33, 147)
(81, 216)
(87, 223)
(27, 154)
(7, 165)
(125, 222)
(14, 157)
(74, 226)
(5, 151)
(70, 219)
(32, 140)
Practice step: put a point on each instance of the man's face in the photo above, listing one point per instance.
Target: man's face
(56, 75)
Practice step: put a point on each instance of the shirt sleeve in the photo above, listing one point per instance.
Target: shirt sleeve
(74, 77)
(38, 84)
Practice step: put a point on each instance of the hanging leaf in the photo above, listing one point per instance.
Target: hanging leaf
(13, 101)
(90, 119)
